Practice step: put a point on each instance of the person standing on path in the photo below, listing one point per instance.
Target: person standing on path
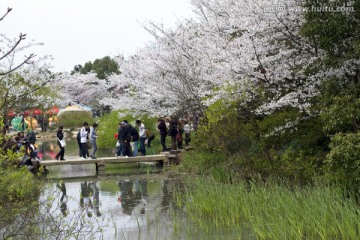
(93, 138)
(83, 139)
(163, 132)
(60, 136)
(187, 130)
(142, 135)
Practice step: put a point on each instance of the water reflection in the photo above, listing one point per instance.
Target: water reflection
(126, 204)
(63, 198)
(132, 194)
(48, 148)
(130, 207)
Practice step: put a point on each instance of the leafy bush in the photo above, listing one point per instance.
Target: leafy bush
(343, 161)
(343, 115)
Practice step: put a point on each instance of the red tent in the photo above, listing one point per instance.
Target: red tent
(36, 111)
(26, 113)
(53, 110)
(11, 113)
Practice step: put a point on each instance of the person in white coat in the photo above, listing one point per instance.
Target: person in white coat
(142, 136)
(83, 139)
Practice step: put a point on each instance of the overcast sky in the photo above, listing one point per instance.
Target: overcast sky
(77, 31)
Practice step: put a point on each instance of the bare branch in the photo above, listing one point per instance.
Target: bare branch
(7, 12)
(21, 38)
(26, 61)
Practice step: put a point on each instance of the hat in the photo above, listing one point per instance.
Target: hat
(122, 123)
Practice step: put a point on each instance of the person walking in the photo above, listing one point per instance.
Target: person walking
(120, 142)
(173, 131)
(126, 138)
(142, 136)
(60, 137)
(93, 137)
(83, 139)
(135, 139)
(187, 130)
(179, 137)
(163, 132)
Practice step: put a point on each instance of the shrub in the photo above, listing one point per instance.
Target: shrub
(343, 161)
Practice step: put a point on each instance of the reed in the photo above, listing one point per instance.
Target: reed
(272, 211)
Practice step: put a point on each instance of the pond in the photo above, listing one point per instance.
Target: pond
(130, 202)
(48, 148)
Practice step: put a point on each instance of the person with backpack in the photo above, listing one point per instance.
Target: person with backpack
(78, 138)
(31, 137)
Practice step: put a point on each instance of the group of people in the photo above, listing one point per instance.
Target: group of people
(128, 135)
(130, 140)
(17, 141)
(86, 139)
(176, 130)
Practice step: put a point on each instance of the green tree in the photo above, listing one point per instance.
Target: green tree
(102, 67)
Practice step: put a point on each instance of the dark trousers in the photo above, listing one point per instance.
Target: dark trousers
(150, 139)
(180, 143)
(162, 140)
(126, 149)
(119, 149)
(142, 146)
(187, 139)
(61, 153)
(79, 144)
(173, 142)
(84, 150)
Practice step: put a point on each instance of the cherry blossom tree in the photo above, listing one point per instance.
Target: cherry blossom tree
(24, 81)
(86, 89)
(231, 43)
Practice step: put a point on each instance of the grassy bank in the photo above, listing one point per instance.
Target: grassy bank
(272, 211)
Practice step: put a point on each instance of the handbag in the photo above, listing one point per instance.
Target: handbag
(62, 142)
(88, 144)
(117, 144)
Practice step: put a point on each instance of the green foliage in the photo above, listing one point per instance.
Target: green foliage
(108, 126)
(297, 165)
(343, 115)
(102, 67)
(74, 119)
(343, 161)
(285, 143)
(223, 131)
(335, 32)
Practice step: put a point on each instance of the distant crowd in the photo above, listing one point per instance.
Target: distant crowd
(130, 140)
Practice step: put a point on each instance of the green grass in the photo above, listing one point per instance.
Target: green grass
(273, 211)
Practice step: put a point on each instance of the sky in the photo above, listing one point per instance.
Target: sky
(77, 31)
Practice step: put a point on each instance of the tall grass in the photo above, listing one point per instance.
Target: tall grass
(273, 211)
